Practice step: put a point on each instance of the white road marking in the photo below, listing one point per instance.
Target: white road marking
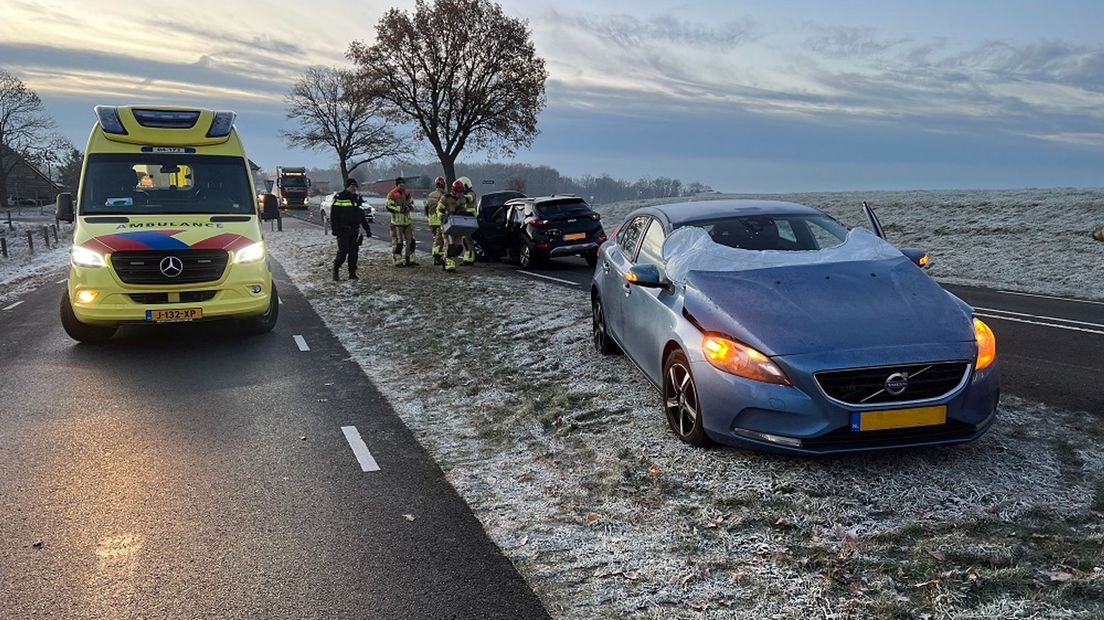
(301, 343)
(540, 275)
(14, 305)
(363, 456)
(280, 300)
(1043, 318)
(1055, 297)
(1068, 327)
(62, 281)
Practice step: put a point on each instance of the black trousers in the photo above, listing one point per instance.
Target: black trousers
(347, 247)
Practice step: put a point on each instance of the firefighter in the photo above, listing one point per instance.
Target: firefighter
(470, 208)
(400, 204)
(452, 203)
(431, 202)
(346, 221)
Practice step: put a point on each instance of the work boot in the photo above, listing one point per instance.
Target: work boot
(352, 275)
(437, 259)
(450, 264)
(411, 262)
(398, 260)
(336, 274)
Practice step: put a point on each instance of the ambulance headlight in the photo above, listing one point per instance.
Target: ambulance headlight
(83, 257)
(250, 254)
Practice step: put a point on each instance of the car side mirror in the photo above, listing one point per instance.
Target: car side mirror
(919, 257)
(64, 212)
(646, 276)
(270, 207)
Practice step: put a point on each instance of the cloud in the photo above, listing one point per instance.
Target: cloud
(629, 31)
(848, 41)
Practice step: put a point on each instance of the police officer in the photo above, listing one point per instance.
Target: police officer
(452, 203)
(346, 220)
(400, 204)
(431, 202)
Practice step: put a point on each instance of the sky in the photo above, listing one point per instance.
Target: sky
(746, 96)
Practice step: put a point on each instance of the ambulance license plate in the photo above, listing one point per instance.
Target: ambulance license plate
(574, 236)
(898, 418)
(174, 316)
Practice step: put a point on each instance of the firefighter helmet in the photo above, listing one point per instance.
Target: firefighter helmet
(458, 185)
(439, 181)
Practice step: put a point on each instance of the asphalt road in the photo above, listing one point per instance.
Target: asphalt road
(191, 472)
(1051, 349)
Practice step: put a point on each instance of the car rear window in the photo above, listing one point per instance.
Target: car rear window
(775, 232)
(557, 209)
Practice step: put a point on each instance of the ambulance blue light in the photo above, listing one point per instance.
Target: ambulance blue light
(109, 120)
(221, 126)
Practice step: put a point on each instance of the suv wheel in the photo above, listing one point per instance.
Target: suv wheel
(527, 256)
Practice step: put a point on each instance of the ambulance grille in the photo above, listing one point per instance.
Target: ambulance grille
(145, 266)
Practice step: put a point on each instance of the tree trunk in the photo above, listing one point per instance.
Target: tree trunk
(344, 165)
(3, 187)
(448, 164)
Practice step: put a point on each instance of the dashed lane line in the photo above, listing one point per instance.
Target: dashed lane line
(12, 306)
(301, 343)
(360, 450)
(1030, 322)
(1053, 319)
(1054, 297)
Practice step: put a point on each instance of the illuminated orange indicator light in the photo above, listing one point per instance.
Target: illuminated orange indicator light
(631, 277)
(924, 260)
(86, 297)
(742, 360)
(986, 344)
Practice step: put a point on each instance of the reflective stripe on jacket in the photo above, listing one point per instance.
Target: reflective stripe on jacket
(432, 199)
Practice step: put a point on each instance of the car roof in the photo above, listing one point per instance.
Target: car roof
(680, 213)
(538, 200)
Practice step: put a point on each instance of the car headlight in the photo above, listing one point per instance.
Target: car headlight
(741, 360)
(986, 344)
(83, 257)
(250, 254)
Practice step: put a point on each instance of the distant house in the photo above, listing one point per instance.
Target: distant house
(27, 183)
(258, 176)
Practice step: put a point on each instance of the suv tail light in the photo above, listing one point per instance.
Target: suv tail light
(540, 223)
(596, 216)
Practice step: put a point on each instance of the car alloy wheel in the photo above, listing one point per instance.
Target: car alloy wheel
(680, 400)
(526, 258)
(602, 341)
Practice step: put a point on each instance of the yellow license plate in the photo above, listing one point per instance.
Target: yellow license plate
(172, 316)
(574, 236)
(898, 418)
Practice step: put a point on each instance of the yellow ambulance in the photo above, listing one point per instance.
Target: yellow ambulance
(167, 227)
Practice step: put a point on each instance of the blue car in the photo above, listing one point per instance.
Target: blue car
(771, 325)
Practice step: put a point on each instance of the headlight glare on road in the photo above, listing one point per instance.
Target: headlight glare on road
(986, 345)
(250, 254)
(741, 360)
(83, 257)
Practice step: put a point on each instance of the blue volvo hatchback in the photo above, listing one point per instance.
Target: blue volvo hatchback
(771, 325)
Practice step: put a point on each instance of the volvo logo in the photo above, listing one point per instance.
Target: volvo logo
(171, 266)
(897, 383)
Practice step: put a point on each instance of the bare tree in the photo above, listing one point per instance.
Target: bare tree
(462, 71)
(25, 128)
(334, 110)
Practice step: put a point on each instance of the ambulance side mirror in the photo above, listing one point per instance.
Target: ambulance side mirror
(64, 212)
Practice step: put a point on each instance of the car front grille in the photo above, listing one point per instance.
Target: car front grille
(867, 386)
(163, 298)
(145, 266)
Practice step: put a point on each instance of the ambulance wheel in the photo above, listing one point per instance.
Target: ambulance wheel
(82, 332)
(264, 323)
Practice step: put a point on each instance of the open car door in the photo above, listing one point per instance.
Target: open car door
(916, 255)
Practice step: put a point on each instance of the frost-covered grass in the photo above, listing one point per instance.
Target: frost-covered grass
(1034, 240)
(566, 459)
(23, 271)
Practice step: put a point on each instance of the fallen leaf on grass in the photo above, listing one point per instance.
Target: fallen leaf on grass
(593, 517)
(653, 471)
(738, 577)
(409, 517)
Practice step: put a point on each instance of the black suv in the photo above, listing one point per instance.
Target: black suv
(540, 228)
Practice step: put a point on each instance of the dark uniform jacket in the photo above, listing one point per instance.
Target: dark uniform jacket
(344, 217)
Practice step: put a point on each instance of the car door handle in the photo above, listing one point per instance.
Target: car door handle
(628, 289)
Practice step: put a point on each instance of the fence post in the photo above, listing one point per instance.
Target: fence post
(55, 227)
(4, 246)
(30, 241)
(46, 236)
(280, 224)
(10, 226)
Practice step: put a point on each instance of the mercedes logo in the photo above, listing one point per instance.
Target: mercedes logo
(897, 383)
(171, 266)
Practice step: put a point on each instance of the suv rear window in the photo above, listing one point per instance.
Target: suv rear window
(559, 209)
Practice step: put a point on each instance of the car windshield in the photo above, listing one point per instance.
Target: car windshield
(141, 183)
(293, 181)
(558, 209)
(775, 232)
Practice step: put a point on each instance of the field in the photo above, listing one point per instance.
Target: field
(566, 459)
